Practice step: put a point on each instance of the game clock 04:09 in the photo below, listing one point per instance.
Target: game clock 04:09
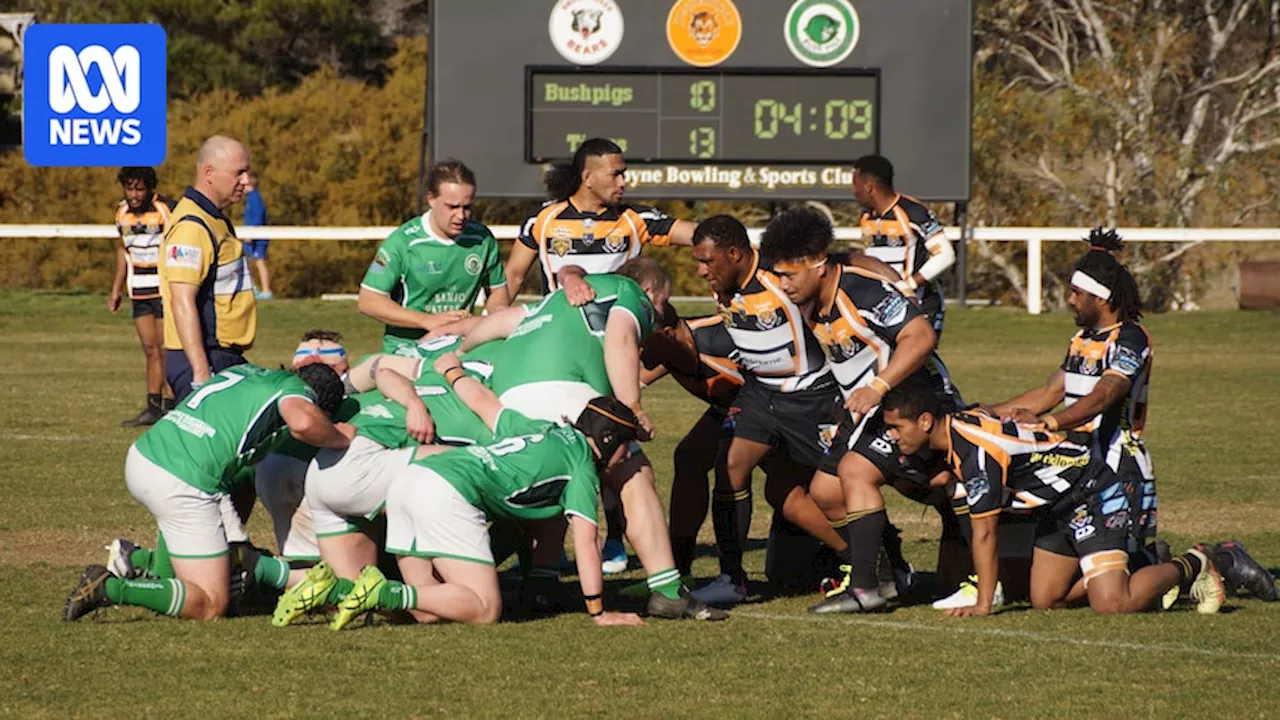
(729, 116)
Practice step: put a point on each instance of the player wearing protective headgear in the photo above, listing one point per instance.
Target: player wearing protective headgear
(181, 467)
(437, 510)
(439, 507)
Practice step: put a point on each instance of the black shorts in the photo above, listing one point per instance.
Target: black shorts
(934, 307)
(1134, 470)
(150, 306)
(870, 439)
(1098, 521)
(793, 422)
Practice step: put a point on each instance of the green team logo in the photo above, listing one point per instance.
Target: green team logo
(473, 264)
(822, 33)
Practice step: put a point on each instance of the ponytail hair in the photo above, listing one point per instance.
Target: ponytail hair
(563, 180)
(1102, 264)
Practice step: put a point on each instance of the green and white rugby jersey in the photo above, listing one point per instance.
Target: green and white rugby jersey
(428, 273)
(227, 424)
(295, 448)
(537, 471)
(557, 342)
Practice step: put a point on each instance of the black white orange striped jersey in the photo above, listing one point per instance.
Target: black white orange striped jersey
(717, 379)
(775, 343)
(563, 235)
(1123, 349)
(141, 233)
(1002, 464)
(901, 237)
(857, 326)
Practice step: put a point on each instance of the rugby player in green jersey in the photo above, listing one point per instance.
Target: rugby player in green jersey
(430, 271)
(438, 509)
(552, 357)
(183, 465)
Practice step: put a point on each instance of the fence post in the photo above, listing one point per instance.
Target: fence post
(1034, 275)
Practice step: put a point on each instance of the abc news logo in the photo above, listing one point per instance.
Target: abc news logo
(69, 89)
(94, 95)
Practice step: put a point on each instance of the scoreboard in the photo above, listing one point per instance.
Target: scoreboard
(683, 115)
(752, 99)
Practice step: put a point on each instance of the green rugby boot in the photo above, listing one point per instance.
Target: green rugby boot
(307, 596)
(362, 598)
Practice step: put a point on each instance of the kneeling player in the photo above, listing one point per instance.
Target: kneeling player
(181, 468)
(1084, 509)
(439, 507)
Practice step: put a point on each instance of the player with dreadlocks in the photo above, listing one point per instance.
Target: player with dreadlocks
(1102, 385)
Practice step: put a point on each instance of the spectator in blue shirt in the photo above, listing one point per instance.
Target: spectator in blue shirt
(255, 213)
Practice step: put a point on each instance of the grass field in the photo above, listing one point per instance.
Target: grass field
(71, 372)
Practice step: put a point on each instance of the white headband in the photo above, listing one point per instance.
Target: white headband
(1089, 285)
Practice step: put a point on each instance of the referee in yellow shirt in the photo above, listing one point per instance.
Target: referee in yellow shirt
(210, 315)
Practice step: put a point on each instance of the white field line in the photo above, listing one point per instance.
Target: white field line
(1015, 634)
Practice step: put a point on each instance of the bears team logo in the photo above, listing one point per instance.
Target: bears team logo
(821, 33)
(585, 32)
(704, 32)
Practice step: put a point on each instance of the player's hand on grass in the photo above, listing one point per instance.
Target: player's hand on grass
(439, 320)
(862, 400)
(577, 291)
(113, 301)
(418, 423)
(616, 619)
(1023, 416)
(975, 611)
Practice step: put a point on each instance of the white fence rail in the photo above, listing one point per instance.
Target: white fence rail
(1034, 237)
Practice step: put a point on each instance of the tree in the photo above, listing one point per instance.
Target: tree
(245, 46)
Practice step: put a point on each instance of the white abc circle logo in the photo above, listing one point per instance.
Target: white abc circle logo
(121, 79)
(585, 32)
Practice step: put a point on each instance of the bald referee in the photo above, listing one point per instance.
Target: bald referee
(210, 315)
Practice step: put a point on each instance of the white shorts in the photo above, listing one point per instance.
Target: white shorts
(551, 400)
(427, 517)
(281, 481)
(190, 519)
(351, 484)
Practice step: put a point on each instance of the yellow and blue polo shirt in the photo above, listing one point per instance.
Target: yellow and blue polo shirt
(201, 248)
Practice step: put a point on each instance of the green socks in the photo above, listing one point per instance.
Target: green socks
(339, 591)
(397, 596)
(271, 571)
(665, 583)
(166, 595)
(158, 564)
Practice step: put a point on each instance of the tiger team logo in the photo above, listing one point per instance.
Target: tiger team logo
(561, 245)
(585, 32)
(616, 241)
(704, 33)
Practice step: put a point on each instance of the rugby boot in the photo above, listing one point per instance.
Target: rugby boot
(1207, 589)
(307, 596)
(687, 607)
(149, 416)
(1241, 572)
(119, 562)
(362, 598)
(851, 600)
(89, 595)
(967, 596)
